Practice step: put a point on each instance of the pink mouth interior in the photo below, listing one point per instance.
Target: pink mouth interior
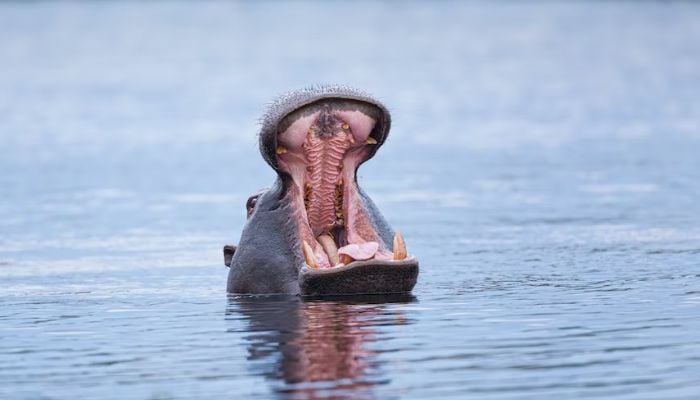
(321, 151)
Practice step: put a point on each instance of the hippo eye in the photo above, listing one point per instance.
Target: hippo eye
(250, 204)
(253, 201)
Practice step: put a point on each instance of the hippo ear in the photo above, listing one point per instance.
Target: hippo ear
(229, 251)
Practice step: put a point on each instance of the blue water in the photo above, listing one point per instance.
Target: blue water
(544, 165)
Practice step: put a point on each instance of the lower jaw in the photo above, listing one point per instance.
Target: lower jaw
(360, 277)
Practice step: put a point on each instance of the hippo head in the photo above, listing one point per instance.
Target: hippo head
(315, 232)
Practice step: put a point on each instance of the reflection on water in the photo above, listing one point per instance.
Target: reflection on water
(543, 165)
(317, 348)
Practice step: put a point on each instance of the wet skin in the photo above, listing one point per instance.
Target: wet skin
(315, 232)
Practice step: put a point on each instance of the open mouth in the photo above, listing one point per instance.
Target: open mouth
(320, 147)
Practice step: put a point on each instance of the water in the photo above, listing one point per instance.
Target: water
(543, 165)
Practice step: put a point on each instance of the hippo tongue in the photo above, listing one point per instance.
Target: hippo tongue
(359, 251)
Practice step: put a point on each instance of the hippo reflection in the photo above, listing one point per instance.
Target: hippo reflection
(318, 346)
(315, 232)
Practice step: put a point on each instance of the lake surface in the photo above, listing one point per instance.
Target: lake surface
(544, 165)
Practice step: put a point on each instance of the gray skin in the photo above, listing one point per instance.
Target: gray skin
(268, 258)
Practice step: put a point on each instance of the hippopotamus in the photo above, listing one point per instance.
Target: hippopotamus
(314, 232)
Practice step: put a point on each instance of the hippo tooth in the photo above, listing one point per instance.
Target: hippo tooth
(399, 247)
(330, 248)
(345, 259)
(309, 255)
(371, 140)
(281, 150)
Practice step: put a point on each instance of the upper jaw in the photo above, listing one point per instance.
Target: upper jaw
(290, 102)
